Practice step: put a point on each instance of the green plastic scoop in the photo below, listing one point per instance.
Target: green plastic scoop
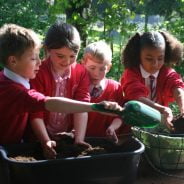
(135, 113)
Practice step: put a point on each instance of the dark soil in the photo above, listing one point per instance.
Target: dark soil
(66, 148)
(178, 123)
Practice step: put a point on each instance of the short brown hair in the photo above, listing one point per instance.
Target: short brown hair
(15, 40)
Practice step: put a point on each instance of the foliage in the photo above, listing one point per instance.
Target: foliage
(77, 13)
(112, 20)
(175, 108)
(116, 27)
(27, 13)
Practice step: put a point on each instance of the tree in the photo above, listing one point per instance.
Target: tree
(77, 13)
(153, 7)
(27, 13)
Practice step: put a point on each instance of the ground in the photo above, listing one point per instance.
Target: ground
(149, 175)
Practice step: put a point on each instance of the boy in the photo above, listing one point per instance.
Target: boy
(97, 60)
(19, 55)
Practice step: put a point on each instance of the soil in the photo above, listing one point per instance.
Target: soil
(77, 152)
(22, 158)
(178, 123)
(147, 173)
(66, 148)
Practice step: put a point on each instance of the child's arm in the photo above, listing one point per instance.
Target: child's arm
(66, 105)
(40, 131)
(166, 111)
(179, 97)
(111, 130)
(80, 125)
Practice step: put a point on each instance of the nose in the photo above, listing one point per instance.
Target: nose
(67, 61)
(38, 61)
(96, 73)
(155, 63)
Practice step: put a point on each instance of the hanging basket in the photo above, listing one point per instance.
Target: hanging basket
(164, 151)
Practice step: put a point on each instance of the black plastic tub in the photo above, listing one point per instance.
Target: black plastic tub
(112, 168)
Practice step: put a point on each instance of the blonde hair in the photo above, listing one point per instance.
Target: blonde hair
(99, 50)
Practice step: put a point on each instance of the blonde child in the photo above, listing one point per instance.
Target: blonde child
(19, 56)
(97, 60)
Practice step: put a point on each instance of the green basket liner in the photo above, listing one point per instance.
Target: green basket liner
(164, 151)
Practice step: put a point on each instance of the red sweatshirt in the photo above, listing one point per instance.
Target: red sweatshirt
(134, 85)
(16, 102)
(77, 85)
(98, 123)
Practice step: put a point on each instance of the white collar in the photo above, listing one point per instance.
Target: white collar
(145, 74)
(100, 85)
(16, 78)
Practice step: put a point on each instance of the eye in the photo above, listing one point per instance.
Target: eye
(149, 59)
(35, 58)
(60, 56)
(161, 59)
(74, 56)
(102, 69)
(91, 68)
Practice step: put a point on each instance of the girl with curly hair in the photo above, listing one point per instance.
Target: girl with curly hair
(148, 59)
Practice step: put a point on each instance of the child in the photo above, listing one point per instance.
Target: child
(60, 75)
(19, 55)
(153, 53)
(97, 60)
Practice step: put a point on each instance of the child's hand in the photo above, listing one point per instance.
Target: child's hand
(83, 143)
(112, 134)
(108, 108)
(168, 117)
(111, 105)
(64, 135)
(48, 149)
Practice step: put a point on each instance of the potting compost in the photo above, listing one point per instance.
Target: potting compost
(66, 148)
(106, 163)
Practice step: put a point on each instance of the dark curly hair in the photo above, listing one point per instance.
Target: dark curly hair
(173, 48)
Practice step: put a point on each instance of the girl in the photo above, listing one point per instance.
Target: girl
(19, 56)
(61, 76)
(148, 76)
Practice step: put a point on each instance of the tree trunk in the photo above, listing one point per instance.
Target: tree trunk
(146, 22)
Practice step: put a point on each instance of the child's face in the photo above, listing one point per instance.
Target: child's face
(26, 65)
(62, 58)
(152, 59)
(97, 71)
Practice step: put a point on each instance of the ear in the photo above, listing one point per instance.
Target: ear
(12, 61)
(82, 61)
(46, 51)
(109, 67)
(85, 58)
